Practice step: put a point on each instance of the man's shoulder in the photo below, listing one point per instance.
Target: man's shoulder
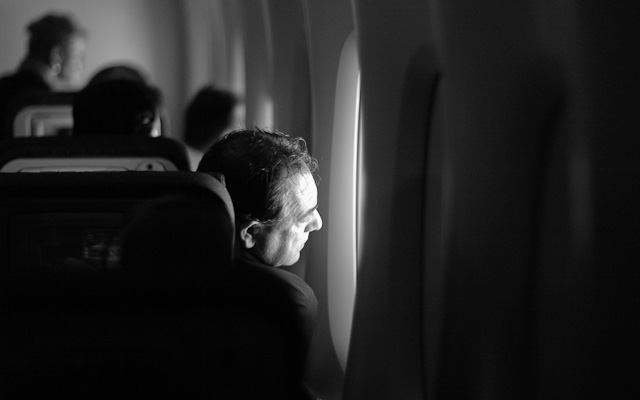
(12, 78)
(23, 78)
(7, 81)
(276, 282)
(22, 85)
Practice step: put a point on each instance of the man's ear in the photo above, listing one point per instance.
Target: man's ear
(219, 176)
(248, 234)
(55, 56)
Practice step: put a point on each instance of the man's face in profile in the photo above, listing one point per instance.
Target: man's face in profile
(280, 244)
(73, 59)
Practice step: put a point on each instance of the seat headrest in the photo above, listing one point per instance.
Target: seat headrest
(172, 152)
(180, 235)
(47, 218)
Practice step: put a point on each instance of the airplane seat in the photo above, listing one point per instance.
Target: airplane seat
(178, 232)
(77, 326)
(121, 285)
(59, 154)
(39, 114)
(52, 221)
(229, 349)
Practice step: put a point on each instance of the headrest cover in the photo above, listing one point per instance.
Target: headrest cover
(181, 234)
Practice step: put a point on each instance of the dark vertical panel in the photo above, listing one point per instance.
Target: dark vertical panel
(437, 219)
(385, 358)
(612, 55)
(540, 113)
(588, 275)
(500, 98)
(416, 162)
(561, 284)
(406, 279)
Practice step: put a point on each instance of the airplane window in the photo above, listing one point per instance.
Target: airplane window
(342, 235)
(360, 180)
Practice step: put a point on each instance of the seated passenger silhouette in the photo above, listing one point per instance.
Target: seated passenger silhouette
(117, 107)
(269, 176)
(54, 61)
(207, 117)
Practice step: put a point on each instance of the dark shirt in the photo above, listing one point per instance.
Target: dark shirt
(15, 90)
(283, 297)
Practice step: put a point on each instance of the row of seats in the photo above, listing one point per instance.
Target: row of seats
(119, 285)
(49, 154)
(116, 283)
(78, 321)
(39, 115)
(43, 214)
(48, 114)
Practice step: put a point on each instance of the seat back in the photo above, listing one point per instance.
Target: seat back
(121, 285)
(39, 113)
(43, 120)
(224, 343)
(53, 220)
(59, 154)
(78, 323)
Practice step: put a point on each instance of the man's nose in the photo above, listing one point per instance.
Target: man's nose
(316, 223)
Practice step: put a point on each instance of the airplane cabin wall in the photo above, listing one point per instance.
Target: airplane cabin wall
(532, 157)
(606, 168)
(397, 80)
(258, 63)
(503, 93)
(205, 23)
(291, 86)
(539, 115)
(215, 51)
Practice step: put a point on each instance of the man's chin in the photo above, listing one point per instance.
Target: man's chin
(291, 261)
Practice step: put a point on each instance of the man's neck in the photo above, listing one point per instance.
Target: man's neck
(247, 256)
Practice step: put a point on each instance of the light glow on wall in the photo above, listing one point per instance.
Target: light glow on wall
(342, 251)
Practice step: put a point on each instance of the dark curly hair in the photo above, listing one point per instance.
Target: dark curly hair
(258, 166)
(117, 107)
(50, 31)
(207, 116)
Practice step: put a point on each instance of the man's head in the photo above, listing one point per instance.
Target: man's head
(269, 176)
(118, 72)
(207, 116)
(56, 41)
(117, 107)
